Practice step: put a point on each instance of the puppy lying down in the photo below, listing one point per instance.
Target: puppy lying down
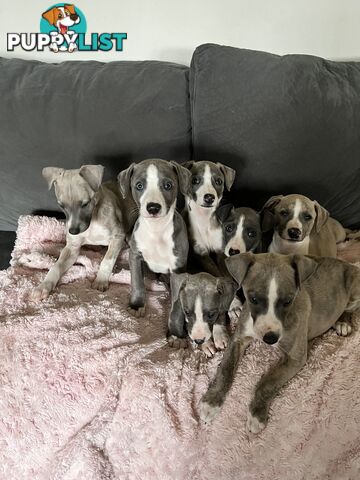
(289, 301)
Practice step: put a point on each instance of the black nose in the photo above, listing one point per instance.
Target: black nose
(74, 230)
(153, 208)
(74, 17)
(232, 252)
(271, 338)
(209, 198)
(294, 233)
(199, 342)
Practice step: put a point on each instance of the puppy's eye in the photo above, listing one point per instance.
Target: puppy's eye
(284, 213)
(195, 180)
(307, 217)
(60, 15)
(218, 181)
(287, 302)
(139, 186)
(229, 228)
(251, 233)
(85, 204)
(168, 185)
(254, 300)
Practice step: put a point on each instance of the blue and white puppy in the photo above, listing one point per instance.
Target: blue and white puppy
(159, 238)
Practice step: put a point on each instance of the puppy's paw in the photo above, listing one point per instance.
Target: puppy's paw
(253, 424)
(343, 328)
(177, 342)
(208, 412)
(235, 310)
(136, 311)
(100, 284)
(221, 337)
(208, 348)
(39, 293)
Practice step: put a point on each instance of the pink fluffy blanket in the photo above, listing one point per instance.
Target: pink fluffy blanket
(88, 392)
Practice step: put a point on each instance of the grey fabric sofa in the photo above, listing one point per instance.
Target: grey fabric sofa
(287, 124)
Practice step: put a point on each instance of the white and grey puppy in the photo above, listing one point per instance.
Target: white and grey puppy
(290, 299)
(199, 304)
(208, 181)
(96, 214)
(159, 238)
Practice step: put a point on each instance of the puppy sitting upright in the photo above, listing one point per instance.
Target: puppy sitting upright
(95, 215)
(204, 196)
(301, 226)
(198, 308)
(290, 299)
(159, 238)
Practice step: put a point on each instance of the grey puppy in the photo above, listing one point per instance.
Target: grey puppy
(159, 238)
(289, 300)
(95, 215)
(199, 304)
(301, 226)
(208, 181)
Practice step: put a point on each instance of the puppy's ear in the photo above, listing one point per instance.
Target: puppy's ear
(304, 267)
(239, 266)
(223, 212)
(322, 216)
(226, 289)
(71, 8)
(188, 164)
(93, 174)
(49, 15)
(229, 175)
(51, 174)
(177, 282)
(267, 213)
(184, 176)
(124, 180)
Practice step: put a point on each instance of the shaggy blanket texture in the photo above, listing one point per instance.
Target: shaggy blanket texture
(90, 393)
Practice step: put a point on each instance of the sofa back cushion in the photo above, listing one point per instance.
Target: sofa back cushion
(288, 124)
(76, 113)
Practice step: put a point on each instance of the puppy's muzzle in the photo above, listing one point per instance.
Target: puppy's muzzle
(209, 199)
(153, 208)
(199, 341)
(271, 338)
(294, 233)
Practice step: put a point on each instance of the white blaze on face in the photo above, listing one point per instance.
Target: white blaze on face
(200, 329)
(269, 322)
(295, 221)
(237, 241)
(152, 193)
(206, 187)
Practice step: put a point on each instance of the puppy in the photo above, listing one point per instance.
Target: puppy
(289, 301)
(207, 187)
(62, 18)
(159, 238)
(95, 215)
(301, 226)
(199, 304)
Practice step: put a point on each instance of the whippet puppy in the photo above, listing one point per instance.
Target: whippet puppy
(208, 181)
(159, 238)
(289, 300)
(199, 304)
(301, 226)
(95, 215)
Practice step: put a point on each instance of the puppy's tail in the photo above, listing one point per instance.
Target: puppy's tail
(352, 234)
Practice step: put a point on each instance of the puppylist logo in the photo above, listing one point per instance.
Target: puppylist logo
(63, 29)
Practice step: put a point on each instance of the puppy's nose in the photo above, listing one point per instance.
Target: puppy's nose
(209, 198)
(199, 341)
(74, 17)
(233, 251)
(271, 338)
(153, 208)
(294, 233)
(74, 230)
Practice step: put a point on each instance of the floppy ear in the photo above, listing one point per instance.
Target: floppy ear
(49, 15)
(267, 213)
(71, 8)
(184, 177)
(239, 266)
(124, 180)
(93, 174)
(229, 175)
(223, 212)
(227, 289)
(188, 164)
(322, 216)
(51, 174)
(304, 267)
(177, 281)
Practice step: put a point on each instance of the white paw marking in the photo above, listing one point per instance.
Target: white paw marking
(208, 348)
(221, 337)
(177, 342)
(235, 310)
(100, 284)
(343, 328)
(253, 424)
(208, 412)
(39, 293)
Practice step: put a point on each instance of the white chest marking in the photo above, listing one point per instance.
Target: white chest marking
(206, 236)
(154, 239)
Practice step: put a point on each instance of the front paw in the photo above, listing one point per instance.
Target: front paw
(136, 311)
(343, 328)
(221, 337)
(208, 348)
(100, 284)
(208, 412)
(253, 424)
(235, 310)
(177, 342)
(40, 293)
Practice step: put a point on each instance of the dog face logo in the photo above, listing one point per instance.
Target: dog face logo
(62, 17)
